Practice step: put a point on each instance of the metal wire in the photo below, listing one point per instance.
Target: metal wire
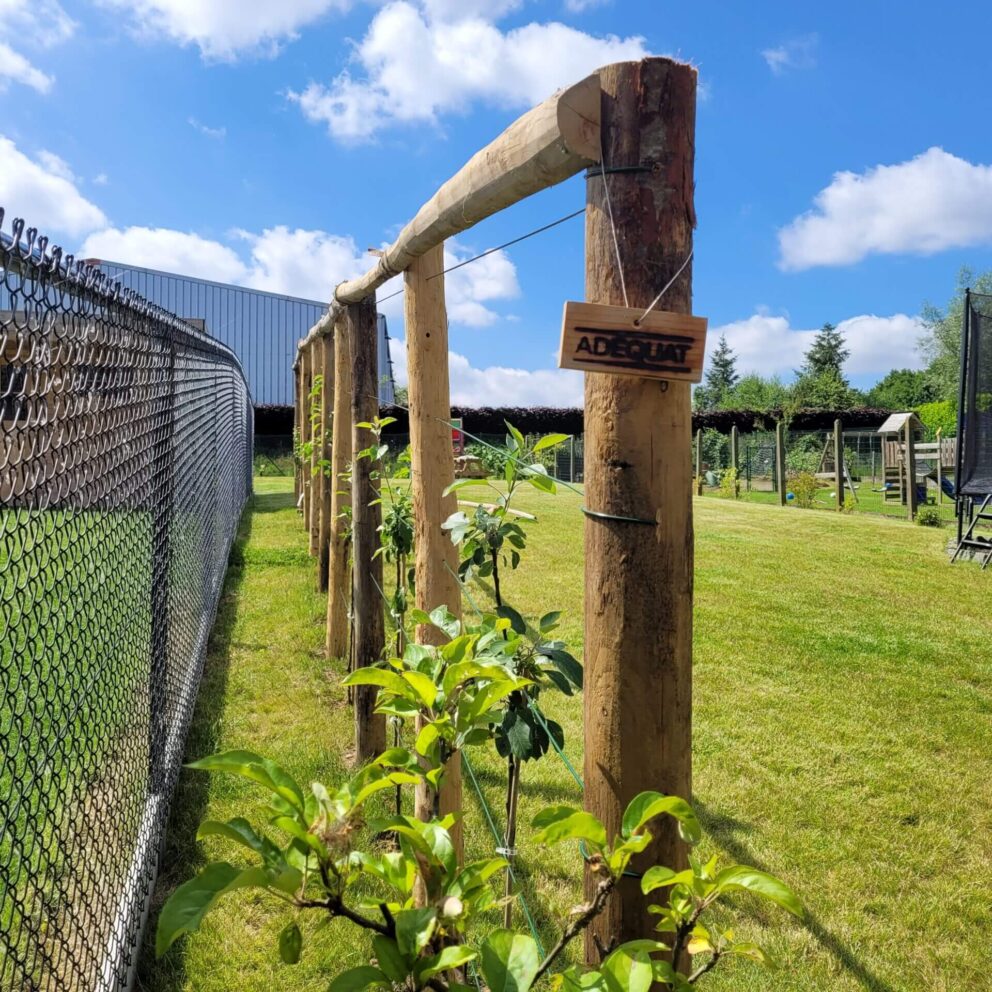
(125, 461)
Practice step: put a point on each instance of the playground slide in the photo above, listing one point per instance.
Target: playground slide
(948, 487)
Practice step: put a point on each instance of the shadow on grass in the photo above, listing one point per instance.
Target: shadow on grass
(725, 830)
(181, 857)
(272, 502)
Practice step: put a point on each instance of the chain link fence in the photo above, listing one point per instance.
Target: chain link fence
(125, 463)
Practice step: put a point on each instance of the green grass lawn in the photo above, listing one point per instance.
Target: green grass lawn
(843, 740)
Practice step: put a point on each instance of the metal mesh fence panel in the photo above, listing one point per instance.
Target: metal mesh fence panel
(975, 478)
(124, 466)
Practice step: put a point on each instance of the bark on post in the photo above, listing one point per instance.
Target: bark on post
(839, 463)
(305, 481)
(326, 347)
(911, 498)
(338, 582)
(370, 631)
(638, 632)
(313, 408)
(780, 462)
(734, 458)
(297, 431)
(432, 469)
(699, 462)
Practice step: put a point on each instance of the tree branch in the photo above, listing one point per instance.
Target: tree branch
(579, 924)
(702, 969)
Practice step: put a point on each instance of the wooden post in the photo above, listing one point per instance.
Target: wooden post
(910, 470)
(638, 578)
(839, 463)
(370, 631)
(297, 428)
(432, 470)
(326, 348)
(699, 463)
(313, 518)
(734, 458)
(338, 584)
(940, 468)
(306, 481)
(780, 462)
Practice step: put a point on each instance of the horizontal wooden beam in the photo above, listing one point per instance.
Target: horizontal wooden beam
(543, 148)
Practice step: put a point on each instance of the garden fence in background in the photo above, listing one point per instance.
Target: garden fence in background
(126, 459)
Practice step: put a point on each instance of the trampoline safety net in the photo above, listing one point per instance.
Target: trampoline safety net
(975, 414)
(125, 461)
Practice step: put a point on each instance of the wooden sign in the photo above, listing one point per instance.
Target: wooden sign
(599, 338)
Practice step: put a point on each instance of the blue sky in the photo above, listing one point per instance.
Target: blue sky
(843, 170)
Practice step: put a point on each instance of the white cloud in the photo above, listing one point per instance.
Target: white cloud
(498, 385)
(44, 193)
(34, 24)
(932, 202)
(217, 133)
(581, 6)
(167, 250)
(797, 53)
(101, 179)
(771, 346)
(224, 29)
(460, 10)
(413, 69)
(469, 288)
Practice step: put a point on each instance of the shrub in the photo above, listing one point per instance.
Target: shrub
(804, 486)
(929, 516)
(804, 453)
(493, 459)
(850, 505)
(943, 415)
(730, 488)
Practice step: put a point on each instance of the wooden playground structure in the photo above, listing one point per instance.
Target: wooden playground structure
(906, 457)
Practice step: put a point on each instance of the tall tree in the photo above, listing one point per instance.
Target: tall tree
(941, 340)
(820, 382)
(721, 377)
(826, 354)
(901, 389)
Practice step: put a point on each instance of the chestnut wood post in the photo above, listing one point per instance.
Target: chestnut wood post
(339, 571)
(839, 463)
(305, 428)
(432, 470)
(911, 497)
(699, 462)
(313, 411)
(735, 458)
(297, 430)
(370, 630)
(780, 462)
(326, 348)
(638, 577)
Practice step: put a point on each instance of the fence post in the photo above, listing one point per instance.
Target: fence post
(305, 480)
(326, 347)
(370, 631)
(734, 458)
(699, 462)
(338, 584)
(940, 468)
(571, 459)
(638, 578)
(839, 462)
(297, 430)
(780, 462)
(313, 517)
(432, 470)
(910, 469)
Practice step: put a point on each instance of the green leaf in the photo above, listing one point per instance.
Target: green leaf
(241, 832)
(740, 877)
(560, 823)
(516, 620)
(747, 949)
(628, 970)
(509, 961)
(358, 979)
(459, 484)
(450, 957)
(185, 909)
(290, 944)
(423, 685)
(261, 770)
(658, 875)
(414, 928)
(521, 445)
(549, 621)
(564, 662)
(395, 967)
(538, 477)
(550, 441)
(647, 805)
(382, 677)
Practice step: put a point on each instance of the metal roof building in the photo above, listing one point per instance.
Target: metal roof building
(261, 328)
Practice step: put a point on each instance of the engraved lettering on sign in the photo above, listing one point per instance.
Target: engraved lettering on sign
(633, 349)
